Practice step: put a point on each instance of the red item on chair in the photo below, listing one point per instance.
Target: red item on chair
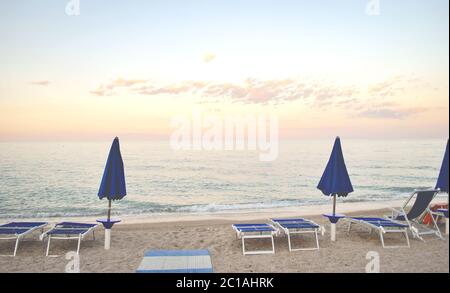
(427, 219)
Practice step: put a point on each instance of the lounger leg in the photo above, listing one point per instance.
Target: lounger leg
(93, 235)
(404, 232)
(417, 235)
(349, 227)
(317, 239)
(16, 246)
(289, 241)
(48, 245)
(436, 227)
(79, 244)
(382, 239)
(273, 245)
(246, 252)
(446, 226)
(407, 237)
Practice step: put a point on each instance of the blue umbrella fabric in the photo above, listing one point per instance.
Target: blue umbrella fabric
(442, 182)
(113, 185)
(335, 179)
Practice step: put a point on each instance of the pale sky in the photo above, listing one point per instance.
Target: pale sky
(325, 68)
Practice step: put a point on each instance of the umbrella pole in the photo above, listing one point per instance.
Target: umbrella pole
(109, 210)
(333, 225)
(108, 230)
(334, 204)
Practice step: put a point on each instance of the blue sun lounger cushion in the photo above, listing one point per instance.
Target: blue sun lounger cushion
(299, 227)
(382, 226)
(255, 231)
(18, 230)
(69, 231)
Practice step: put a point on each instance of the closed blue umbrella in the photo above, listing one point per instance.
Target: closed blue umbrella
(335, 182)
(112, 186)
(442, 182)
(442, 185)
(335, 179)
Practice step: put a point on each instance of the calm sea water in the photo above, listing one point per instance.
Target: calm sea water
(62, 179)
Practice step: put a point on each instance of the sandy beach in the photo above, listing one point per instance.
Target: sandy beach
(213, 232)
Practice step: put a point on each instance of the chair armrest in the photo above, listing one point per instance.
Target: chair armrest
(396, 212)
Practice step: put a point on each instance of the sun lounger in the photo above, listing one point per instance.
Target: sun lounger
(69, 231)
(18, 230)
(414, 215)
(176, 261)
(382, 226)
(255, 231)
(442, 213)
(299, 226)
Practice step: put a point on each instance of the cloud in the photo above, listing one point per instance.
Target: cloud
(120, 82)
(390, 113)
(108, 89)
(317, 93)
(375, 100)
(395, 86)
(208, 57)
(41, 82)
(100, 91)
(180, 88)
(251, 91)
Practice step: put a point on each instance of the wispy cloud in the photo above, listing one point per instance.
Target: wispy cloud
(101, 91)
(120, 82)
(395, 86)
(40, 82)
(375, 101)
(250, 91)
(391, 113)
(108, 89)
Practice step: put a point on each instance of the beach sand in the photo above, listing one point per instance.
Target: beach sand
(213, 232)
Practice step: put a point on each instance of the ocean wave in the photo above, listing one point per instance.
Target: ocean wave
(43, 181)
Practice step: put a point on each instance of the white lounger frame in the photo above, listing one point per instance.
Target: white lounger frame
(18, 237)
(79, 237)
(438, 215)
(417, 229)
(256, 235)
(295, 231)
(381, 231)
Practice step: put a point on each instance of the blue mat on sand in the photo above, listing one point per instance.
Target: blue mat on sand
(176, 261)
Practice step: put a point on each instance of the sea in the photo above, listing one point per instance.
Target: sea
(61, 179)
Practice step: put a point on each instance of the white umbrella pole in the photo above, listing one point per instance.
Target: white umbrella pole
(333, 225)
(108, 231)
(333, 232)
(107, 239)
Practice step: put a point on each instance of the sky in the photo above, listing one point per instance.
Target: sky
(324, 68)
